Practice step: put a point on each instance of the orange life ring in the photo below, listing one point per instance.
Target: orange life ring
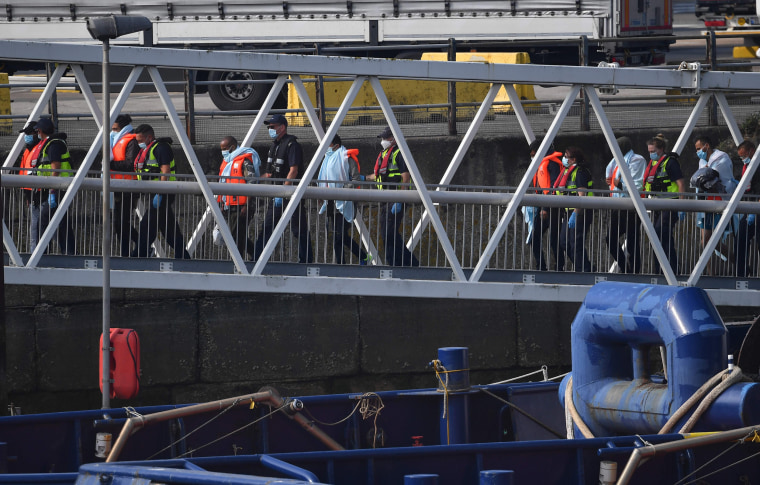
(124, 369)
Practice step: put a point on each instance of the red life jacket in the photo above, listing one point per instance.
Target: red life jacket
(142, 155)
(561, 181)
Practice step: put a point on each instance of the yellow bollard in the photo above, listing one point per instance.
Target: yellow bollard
(6, 126)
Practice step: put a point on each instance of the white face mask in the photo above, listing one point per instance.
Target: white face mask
(272, 133)
(142, 145)
(385, 144)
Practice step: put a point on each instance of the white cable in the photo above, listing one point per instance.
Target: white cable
(729, 380)
(576, 418)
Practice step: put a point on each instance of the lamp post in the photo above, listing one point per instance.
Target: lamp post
(104, 29)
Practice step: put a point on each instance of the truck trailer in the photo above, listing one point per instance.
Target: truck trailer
(623, 31)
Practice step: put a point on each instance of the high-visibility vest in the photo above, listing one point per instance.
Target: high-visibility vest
(235, 177)
(657, 170)
(566, 180)
(44, 162)
(146, 162)
(120, 154)
(386, 167)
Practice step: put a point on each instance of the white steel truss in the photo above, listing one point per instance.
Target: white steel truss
(463, 282)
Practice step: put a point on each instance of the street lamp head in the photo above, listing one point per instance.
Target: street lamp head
(113, 26)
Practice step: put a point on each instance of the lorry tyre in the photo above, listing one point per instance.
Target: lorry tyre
(237, 95)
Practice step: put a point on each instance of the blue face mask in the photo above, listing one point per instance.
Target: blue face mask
(746, 160)
(28, 139)
(702, 154)
(114, 134)
(142, 145)
(226, 154)
(565, 162)
(653, 156)
(272, 133)
(329, 151)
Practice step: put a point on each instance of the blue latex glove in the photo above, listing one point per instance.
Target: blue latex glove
(278, 201)
(571, 221)
(750, 219)
(397, 207)
(157, 200)
(53, 200)
(682, 216)
(362, 177)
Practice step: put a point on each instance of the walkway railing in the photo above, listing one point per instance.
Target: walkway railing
(469, 233)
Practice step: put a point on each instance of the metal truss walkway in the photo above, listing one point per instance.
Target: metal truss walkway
(469, 240)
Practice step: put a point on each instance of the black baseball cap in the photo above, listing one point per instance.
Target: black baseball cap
(277, 120)
(387, 133)
(29, 129)
(45, 125)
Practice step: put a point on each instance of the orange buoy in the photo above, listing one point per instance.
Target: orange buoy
(124, 369)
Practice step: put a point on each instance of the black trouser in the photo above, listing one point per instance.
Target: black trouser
(123, 205)
(396, 253)
(573, 240)
(299, 227)
(743, 241)
(552, 223)
(341, 232)
(160, 219)
(627, 223)
(237, 219)
(65, 233)
(664, 222)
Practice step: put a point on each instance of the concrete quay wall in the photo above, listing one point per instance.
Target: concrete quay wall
(198, 346)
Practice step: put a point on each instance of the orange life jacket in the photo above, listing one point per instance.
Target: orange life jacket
(542, 178)
(120, 154)
(29, 161)
(612, 182)
(235, 177)
(354, 153)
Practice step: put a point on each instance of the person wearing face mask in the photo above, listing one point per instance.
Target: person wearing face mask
(52, 153)
(28, 163)
(575, 180)
(390, 171)
(124, 150)
(284, 163)
(663, 176)
(155, 162)
(547, 218)
(236, 209)
(625, 222)
(748, 226)
(336, 172)
(721, 163)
